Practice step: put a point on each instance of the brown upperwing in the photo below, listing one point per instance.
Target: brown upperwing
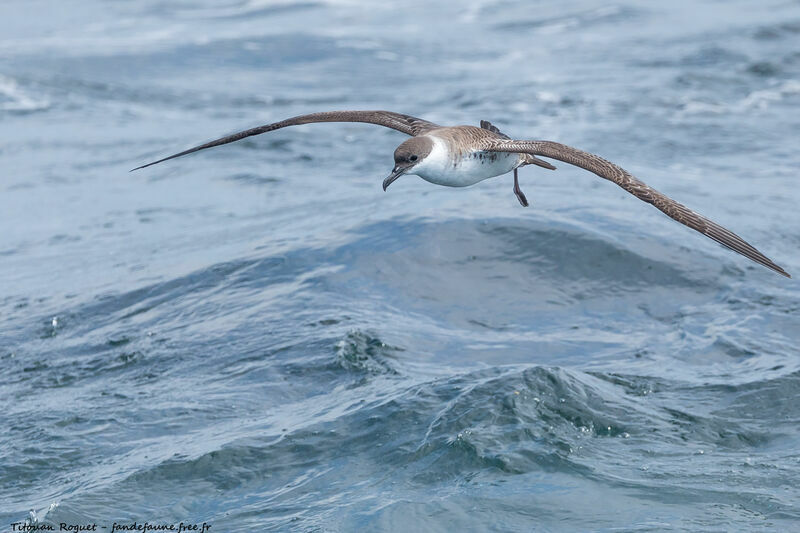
(607, 170)
(404, 123)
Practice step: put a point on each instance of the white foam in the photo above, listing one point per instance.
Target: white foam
(761, 99)
(13, 98)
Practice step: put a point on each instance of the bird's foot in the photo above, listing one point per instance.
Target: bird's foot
(521, 198)
(518, 191)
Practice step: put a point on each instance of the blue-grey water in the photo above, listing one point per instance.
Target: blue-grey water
(259, 338)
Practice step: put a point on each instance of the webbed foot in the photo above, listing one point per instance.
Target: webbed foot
(518, 191)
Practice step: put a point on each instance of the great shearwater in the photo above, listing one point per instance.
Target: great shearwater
(460, 156)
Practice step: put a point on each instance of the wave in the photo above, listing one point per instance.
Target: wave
(497, 425)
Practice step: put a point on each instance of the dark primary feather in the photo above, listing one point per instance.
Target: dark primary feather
(404, 123)
(610, 171)
(485, 124)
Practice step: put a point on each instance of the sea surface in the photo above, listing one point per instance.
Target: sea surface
(258, 338)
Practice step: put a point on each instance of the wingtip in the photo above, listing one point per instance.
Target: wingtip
(144, 166)
(772, 266)
(779, 270)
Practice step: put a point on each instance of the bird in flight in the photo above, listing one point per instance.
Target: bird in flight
(460, 156)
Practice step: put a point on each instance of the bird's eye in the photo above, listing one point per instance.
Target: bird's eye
(413, 158)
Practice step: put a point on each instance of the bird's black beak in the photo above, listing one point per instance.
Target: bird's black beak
(396, 173)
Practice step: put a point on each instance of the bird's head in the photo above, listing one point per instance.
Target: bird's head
(407, 156)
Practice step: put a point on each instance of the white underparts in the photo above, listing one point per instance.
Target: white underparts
(468, 168)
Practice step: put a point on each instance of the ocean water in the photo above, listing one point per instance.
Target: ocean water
(257, 337)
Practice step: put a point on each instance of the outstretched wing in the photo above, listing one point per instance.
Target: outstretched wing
(610, 171)
(405, 123)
